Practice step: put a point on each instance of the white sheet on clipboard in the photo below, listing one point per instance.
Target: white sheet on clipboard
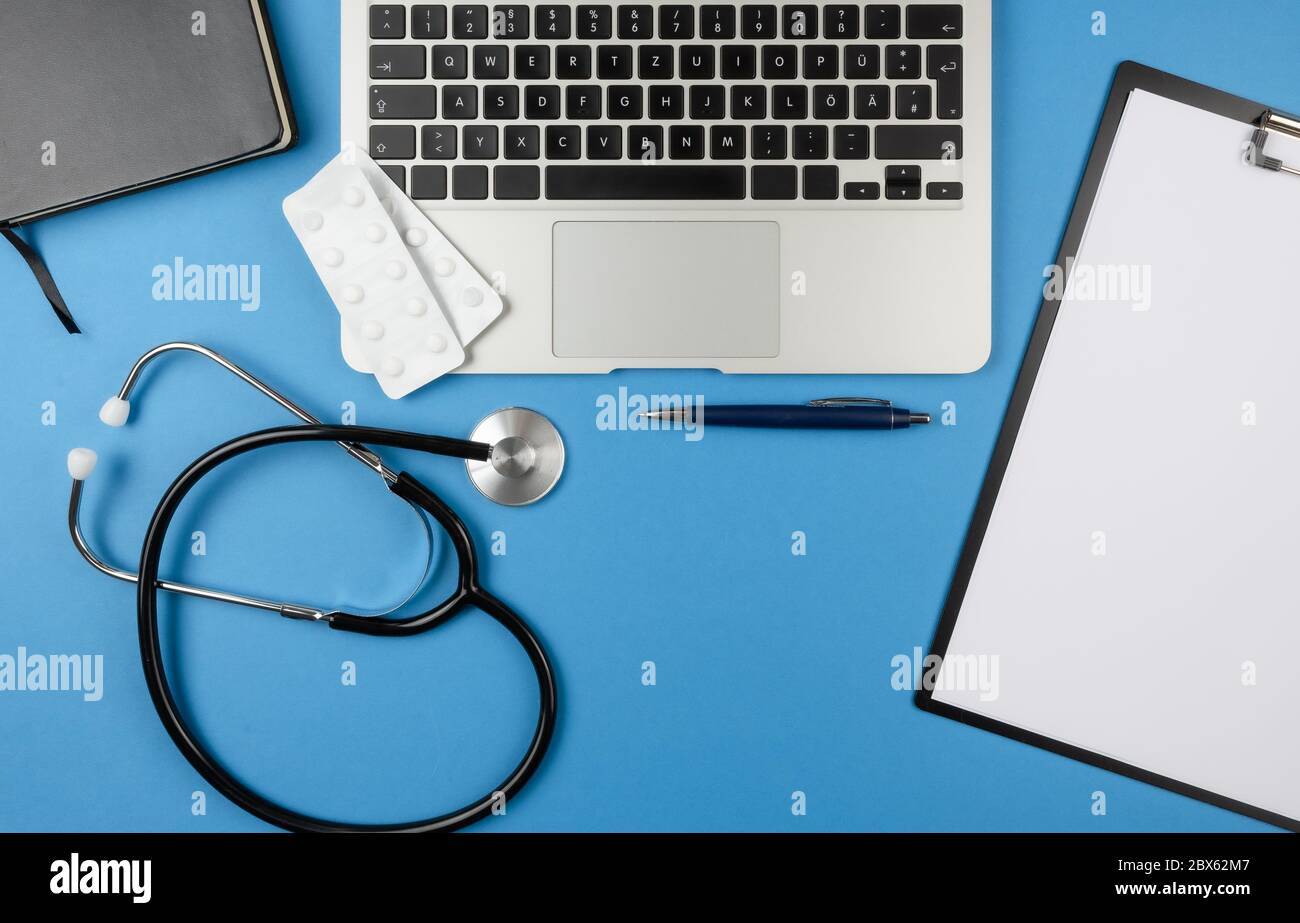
(1139, 581)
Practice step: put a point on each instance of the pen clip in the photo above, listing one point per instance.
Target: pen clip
(850, 402)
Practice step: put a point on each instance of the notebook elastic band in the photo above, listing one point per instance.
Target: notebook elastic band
(43, 278)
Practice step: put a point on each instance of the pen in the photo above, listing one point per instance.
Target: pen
(827, 413)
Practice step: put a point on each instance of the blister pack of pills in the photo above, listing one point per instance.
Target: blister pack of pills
(408, 301)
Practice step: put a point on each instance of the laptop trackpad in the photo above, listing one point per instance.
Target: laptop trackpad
(666, 289)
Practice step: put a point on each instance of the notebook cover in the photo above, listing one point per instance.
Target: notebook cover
(122, 94)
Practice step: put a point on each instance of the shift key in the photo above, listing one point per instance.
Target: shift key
(918, 142)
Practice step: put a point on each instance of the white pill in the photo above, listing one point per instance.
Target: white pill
(354, 294)
(393, 366)
(436, 342)
(353, 196)
(372, 330)
(313, 221)
(416, 307)
(444, 266)
(416, 237)
(332, 257)
(472, 297)
(375, 233)
(395, 269)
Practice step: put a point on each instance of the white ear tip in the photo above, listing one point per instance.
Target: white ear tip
(115, 411)
(81, 463)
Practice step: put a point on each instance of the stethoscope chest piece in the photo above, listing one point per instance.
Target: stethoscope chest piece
(527, 457)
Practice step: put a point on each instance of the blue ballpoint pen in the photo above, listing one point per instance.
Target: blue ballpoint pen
(827, 413)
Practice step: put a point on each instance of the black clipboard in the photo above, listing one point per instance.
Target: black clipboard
(1129, 76)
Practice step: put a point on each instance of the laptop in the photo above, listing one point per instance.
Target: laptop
(753, 188)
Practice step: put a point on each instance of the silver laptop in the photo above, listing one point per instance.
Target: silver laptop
(792, 188)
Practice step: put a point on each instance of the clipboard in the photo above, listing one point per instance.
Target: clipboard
(1165, 647)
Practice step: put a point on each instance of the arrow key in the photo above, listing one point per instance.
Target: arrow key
(945, 192)
(944, 67)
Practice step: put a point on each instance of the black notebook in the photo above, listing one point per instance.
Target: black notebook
(99, 98)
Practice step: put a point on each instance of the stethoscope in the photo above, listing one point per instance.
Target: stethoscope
(520, 464)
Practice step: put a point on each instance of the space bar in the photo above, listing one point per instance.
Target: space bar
(644, 181)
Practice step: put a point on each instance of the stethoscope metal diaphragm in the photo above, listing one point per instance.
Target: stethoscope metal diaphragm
(527, 457)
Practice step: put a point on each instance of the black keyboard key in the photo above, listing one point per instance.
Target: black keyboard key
(902, 182)
(708, 102)
(645, 142)
(501, 102)
(914, 102)
(883, 21)
(396, 172)
(469, 21)
(871, 101)
(861, 192)
(852, 142)
(758, 21)
(595, 22)
(903, 62)
(686, 142)
(780, 62)
(937, 20)
(429, 182)
(677, 22)
(516, 182)
(775, 182)
(821, 62)
(510, 22)
(918, 142)
(636, 21)
(604, 142)
(769, 142)
(479, 142)
(553, 21)
(491, 62)
(666, 102)
(625, 103)
(862, 62)
(789, 102)
(748, 103)
(614, 62)
(438, 142)
(697, 63)
(449, 62)
(563, 142)
(541, 102)
(661, 182)
(831, 103)
(469, 182)
(403, 101)
(799, 22)
(532, 62)
(392, 142)
(821, 182)
(397, 62)
(655, 62)
(387, 20)
(573, 62)
(727, 142)
(523, 142)
(428, 21)
(840, 21)
(739, 62)
(944, 67)
(811, 142)
(943, 192)
(717, 22)
(581, 103)
(459, 102)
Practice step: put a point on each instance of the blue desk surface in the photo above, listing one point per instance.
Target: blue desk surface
(772, 670)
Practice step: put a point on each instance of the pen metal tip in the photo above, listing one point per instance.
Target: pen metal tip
(919, 418)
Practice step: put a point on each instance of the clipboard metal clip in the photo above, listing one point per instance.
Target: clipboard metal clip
(1282, 124)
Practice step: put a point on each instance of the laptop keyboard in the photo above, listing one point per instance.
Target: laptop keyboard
(840, 105)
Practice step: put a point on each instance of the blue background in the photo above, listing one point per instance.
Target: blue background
(773, 671)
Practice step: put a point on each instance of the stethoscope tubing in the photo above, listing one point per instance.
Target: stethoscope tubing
(467, 593)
